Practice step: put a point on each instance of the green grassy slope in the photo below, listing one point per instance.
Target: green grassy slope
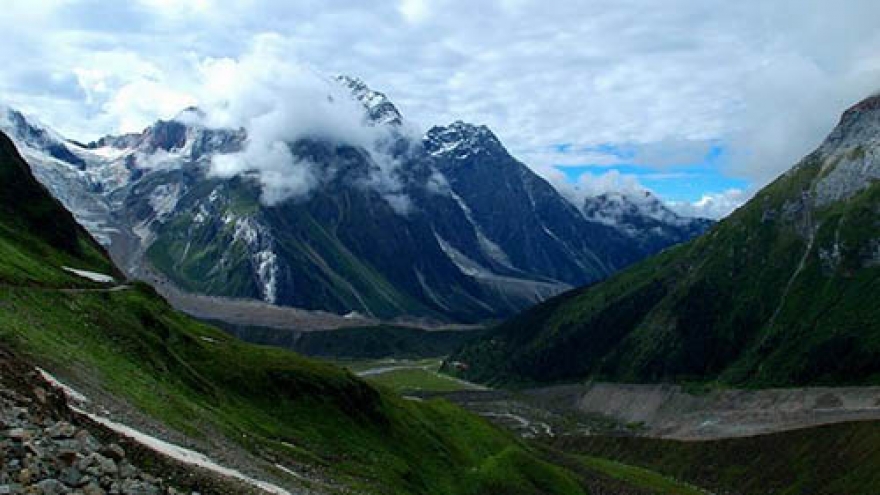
(833, 459)
(36, 232)
(200, 381)
(751, 303)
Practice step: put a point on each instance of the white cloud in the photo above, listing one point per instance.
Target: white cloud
(594, 185)
(414, 11)
(765, 79)
(591, 185)
(279, 101)
(144, 100)
(712, 205)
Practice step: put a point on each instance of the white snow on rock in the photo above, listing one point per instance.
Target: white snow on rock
(93, 276)
(164, 199)
(71, 394)
(267, 271)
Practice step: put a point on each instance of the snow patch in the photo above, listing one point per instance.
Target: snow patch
(467, 266)
(164, 199)
(490, 249)
(267, 271)
(93, 276)
(69, 392)
(263, 258)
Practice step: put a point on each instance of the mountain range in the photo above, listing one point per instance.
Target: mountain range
(445, 225)
(782, 292)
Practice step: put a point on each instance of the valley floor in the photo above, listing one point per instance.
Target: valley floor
(251, 312)
(673, 412)
(664, 439)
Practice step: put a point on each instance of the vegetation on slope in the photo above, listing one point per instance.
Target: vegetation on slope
(831, 459)
(200, 381)
(779, 293)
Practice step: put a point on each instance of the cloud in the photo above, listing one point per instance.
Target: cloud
(414, 11)
(765, 79)
(712, 205)
(590, 184)
(279, 101)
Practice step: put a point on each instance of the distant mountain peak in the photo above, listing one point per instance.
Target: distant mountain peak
(480, 236)
(380, 109)
(638, 212)
(461, 139)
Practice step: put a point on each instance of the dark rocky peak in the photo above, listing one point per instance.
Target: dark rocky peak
(122, 141)
(380, 110)
(461, 140)
(185, 133)
(165, 135)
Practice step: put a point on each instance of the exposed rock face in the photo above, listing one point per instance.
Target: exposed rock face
(850, 154)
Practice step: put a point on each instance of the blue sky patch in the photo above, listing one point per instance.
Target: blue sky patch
(671, 181)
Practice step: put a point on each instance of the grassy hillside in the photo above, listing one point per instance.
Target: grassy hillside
(780, 293)
(129, 345)
(201, 381)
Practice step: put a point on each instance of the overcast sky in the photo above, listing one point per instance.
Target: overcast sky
(700, 101)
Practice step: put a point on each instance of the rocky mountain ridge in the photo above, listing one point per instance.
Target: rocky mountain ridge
(476, 234)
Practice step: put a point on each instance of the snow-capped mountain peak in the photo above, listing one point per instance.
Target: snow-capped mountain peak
(461, 139)
(476, 233)
(640, 214)
(380, 110)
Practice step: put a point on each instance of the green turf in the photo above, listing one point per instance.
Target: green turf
(827, 460)
(643, 478)
(406, 376)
